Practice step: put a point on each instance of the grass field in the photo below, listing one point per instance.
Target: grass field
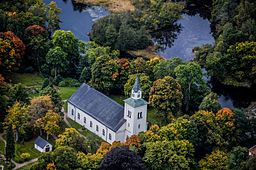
(66, 92)
(27, 79)
(27, 147)
(112, 5)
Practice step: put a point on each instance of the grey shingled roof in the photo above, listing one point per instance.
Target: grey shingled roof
(41, 142)
(135, 102)
(136, 86)
(99, 106)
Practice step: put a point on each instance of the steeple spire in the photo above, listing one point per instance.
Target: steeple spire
(136, 90)
(136, 86)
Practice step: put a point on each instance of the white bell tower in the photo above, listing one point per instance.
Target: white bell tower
(135, 111)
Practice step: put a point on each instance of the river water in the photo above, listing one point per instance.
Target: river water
(195, 31)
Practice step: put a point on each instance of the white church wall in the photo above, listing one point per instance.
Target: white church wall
(120, 134)
(91, 124)
(70, 108)
(130, 120)
(140, 125)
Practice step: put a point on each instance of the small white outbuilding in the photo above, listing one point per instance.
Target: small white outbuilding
(42, 145)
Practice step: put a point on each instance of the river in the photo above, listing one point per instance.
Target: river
(195, 31)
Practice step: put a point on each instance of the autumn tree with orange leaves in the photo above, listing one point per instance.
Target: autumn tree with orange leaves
(12, 50)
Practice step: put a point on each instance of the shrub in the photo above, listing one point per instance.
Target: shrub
(69, 82)
(25, 156)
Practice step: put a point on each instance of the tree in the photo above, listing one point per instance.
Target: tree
(104, 73)
(39, 106)
(37, 45)
(166, 96)
(52, 16)
(166, 68)
(64, 157)
(55, 97)
(18, 117)
(122, 158)
(18, 93)
(56, 59)
(161, 155)
(12, 50)
(89, 161)
(237, 158)
(69, 44)
(72, 138)
(10, 147)
(217, 160)
(210, 103)
(49, 123)
(144, 82)
(251, 163)
(193, 86)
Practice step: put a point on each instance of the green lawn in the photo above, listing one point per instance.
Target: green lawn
(27, 79)
(2, 147)
(27, 147)
(66, 92)
(118, 98)
(27, 167)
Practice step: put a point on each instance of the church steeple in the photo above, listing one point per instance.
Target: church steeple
(136, 90)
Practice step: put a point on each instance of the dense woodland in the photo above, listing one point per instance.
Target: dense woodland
(193, 130)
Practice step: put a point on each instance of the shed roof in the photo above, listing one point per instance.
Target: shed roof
(99, 106)
(41, 142)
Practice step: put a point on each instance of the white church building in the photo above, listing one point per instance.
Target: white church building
(105, 117)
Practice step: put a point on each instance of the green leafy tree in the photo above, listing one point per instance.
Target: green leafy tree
(237, 158)
(56, 59)
(10, 145)
(69, 44)
(166, 96)
(145, 85)
(210, 103)
(176, 154)
(104, 73)
(193, 86)
(216, 160)
(64, 157)
(52, 16)
(166, 68)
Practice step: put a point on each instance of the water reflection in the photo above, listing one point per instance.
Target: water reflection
(195, 31)
(78, 18)
(165, 38)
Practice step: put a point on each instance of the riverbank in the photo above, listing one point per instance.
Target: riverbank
(112, 5)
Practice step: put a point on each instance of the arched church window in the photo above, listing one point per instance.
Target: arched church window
(85, 120)
(97, 128)
(140, 115)
(129, 114)
(90, 123)
(78, 115)
(109, 137)
(103, 132)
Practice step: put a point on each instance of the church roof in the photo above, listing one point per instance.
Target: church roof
(136, 86)
(135, 102)
(98, 106)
